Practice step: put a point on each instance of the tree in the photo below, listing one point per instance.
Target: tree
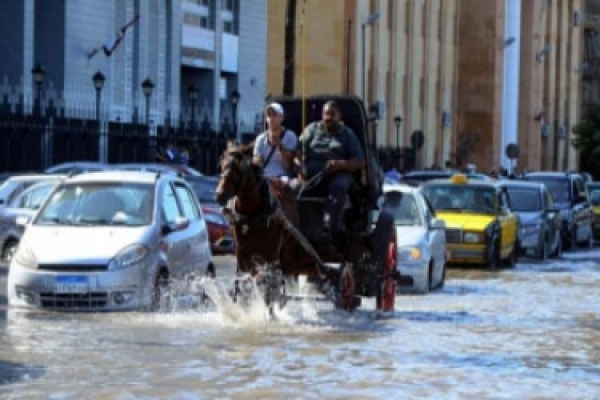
(587, 139)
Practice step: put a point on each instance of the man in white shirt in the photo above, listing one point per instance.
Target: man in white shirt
(274, 149)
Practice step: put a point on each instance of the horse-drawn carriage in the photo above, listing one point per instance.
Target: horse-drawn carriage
(275, 246)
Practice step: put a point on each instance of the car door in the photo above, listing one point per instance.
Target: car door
(552, 217)
(582, 209)
(173, 242)
(436, 239)
(508, 222)
(197, 244)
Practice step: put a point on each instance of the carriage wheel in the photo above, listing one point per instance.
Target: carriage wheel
(387, 289)
(347, 289)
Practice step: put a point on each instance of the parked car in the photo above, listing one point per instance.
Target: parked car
(77, 167)
(420, 238)
(539, 221)
(570, 195)
(219, 231)
(109, 241)
(594, 190)
(14, 185)
(25, 205)
(415, 178)
(480, 228)
(183, 170)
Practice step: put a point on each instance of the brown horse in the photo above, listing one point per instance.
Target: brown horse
(263, 233)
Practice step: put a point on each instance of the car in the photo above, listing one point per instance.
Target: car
(77, 167)
(539, 222)
(594, 190)
(415, 178)
(570, 195)
(480, 228)
(219, 231)
(110, 240)
(179, 169)
(25, 205)
(420, 238)
(14, 185)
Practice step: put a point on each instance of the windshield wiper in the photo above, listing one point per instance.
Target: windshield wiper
(92, 221)
(55, 221)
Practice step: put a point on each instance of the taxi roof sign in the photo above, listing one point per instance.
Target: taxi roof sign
(459, 179)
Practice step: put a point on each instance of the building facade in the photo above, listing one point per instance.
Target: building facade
(174, 43)
(471, 77)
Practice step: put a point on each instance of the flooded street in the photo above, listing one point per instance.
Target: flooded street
(531, 332)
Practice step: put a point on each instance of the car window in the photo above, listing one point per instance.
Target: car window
(33, 199)
(474, 198)
(403, 207)
(170, 207)
(524, 199)
(186, 198)
(548, 199)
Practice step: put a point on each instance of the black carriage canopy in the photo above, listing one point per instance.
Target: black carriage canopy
(354, 115)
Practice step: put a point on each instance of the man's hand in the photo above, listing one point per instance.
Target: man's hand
(333, 166)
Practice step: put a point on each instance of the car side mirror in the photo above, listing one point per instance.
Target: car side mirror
(179, 224)
(437, 223)
(22, 220)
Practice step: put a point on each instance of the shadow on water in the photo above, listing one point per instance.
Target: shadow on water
(11, 372)
(437, 316)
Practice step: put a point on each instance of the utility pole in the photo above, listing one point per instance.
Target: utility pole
(290, 48)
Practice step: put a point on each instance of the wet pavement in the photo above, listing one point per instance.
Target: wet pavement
(530, 332)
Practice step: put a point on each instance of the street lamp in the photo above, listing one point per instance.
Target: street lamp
(235, 98)
(98, 80)
(371, 19)
(147, 87)
(192, 94)
(398, 121)
(39, 73)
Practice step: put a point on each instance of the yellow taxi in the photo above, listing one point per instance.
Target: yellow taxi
(480, 228)
(594, 190)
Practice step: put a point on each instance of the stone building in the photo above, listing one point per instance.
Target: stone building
(473, 76)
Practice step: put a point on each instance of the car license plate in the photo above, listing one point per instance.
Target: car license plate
(71, 284)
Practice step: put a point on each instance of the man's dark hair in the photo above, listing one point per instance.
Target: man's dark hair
(333, 104)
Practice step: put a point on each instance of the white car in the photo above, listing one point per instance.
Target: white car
(420, 237)
(13, 186)
(109, 241)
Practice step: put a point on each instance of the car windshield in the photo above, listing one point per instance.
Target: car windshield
(204, 189)
(524, 200)
(467, 198)
(403, 206)
(558, 187)
(126, 204)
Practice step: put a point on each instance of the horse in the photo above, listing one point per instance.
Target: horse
(264, 234)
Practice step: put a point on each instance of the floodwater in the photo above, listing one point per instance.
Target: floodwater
(531, 332)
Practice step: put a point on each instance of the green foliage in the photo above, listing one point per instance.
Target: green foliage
(587, 138)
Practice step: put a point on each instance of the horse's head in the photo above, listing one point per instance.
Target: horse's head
(237, 170)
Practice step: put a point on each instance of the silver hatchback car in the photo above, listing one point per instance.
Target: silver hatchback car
(109, 241)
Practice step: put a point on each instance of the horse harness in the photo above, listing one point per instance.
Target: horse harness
(259, 220)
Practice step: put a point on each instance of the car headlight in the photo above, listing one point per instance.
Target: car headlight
(409, 254)
(25, 257)
(473, 237)
(530, 229)
(127, 257)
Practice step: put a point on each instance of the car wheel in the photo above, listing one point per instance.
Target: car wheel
(160, 296)
(591, 239)
(559, 247)
(511, 261)
(542, 251)
(443, 279)
(10, 248)
(493, 254)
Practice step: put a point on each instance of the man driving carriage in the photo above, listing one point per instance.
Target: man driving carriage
(329, 154)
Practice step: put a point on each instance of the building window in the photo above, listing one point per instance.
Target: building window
(228, 5)
(195, 20)
(228, 27)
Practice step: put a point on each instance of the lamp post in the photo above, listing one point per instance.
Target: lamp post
(147, 87)
(192, 94)
(235, 98)
(371, 19)
(39, 73)
(374, 118)
(98, 80)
